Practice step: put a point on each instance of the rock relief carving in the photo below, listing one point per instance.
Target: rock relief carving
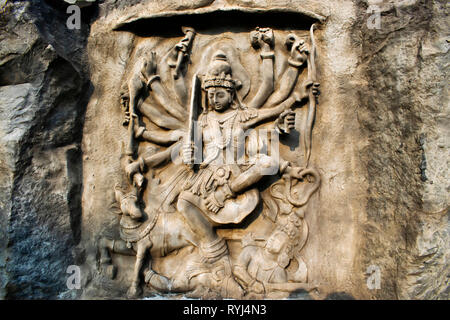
(198, 155)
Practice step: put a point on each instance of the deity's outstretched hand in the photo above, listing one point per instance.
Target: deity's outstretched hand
(315, 89)
(298, 48)
(286, 121)
(187, 153)
(303, 93)
(133, 170)
(262, 38)
(295, 172)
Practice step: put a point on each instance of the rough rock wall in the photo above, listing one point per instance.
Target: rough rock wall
(404, 117)
(383, 111)
(44, 88)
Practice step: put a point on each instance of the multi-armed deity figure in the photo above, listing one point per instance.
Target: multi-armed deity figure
(223, 160)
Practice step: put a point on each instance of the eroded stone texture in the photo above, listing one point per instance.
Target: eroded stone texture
(403, 108)
(42, 97)
(379, 146)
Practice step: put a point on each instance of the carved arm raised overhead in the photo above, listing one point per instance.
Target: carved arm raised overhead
(263, 38)
(159, 116)
(298, 56)
(160, 94)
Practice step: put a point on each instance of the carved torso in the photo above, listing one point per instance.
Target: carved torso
(227, 135)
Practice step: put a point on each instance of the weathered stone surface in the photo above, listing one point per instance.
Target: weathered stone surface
(403, 108)
(43, 94)
(380, 143)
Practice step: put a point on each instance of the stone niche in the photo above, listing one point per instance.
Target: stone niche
(199, 167)
(279, 87)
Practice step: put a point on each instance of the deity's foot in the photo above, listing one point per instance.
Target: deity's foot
(226, 283)
(215, 258)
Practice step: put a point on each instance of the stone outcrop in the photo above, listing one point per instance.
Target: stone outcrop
(44, 90)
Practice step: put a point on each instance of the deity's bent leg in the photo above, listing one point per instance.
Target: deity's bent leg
(264, 165)
(212, 247)
(196, 221)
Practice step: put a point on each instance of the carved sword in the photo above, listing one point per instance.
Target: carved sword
(193, 107)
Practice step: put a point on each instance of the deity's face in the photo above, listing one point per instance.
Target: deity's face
(276, 242)
(219, 98)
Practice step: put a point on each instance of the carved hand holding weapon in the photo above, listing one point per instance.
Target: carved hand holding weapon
(183, 47)
(193, 110)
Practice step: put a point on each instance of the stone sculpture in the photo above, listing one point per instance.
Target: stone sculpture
(214, 163)
(89, 207)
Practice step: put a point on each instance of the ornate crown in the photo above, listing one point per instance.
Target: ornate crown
(224, 81)
(219, 73)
